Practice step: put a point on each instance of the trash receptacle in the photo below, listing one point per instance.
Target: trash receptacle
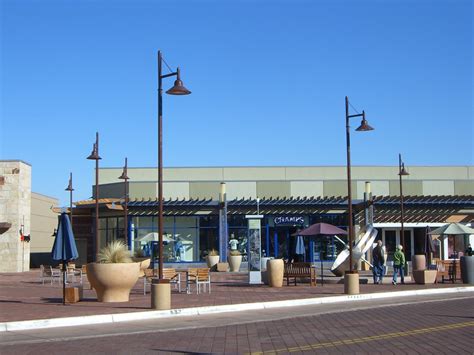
(467, 269)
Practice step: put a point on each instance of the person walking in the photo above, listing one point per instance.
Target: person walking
(398, 265)
(378, 261)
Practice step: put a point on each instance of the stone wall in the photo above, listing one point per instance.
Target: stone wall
(15, 208)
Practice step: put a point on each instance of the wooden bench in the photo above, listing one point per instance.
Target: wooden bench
(449, 269)
(298, 270)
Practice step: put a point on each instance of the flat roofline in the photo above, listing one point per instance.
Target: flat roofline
(288, 166)
(14, 161)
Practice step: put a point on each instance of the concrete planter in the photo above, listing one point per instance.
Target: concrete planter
(212, 260)
(234, 262)
(144, 264)
(423, 277)
(113, 282)
(419, 262)
(351, 283)
(467, 269)
(275, 269)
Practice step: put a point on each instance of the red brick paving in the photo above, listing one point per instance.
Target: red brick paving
(23, 297)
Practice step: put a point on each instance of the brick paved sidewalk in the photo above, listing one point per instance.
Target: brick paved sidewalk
(23, 297)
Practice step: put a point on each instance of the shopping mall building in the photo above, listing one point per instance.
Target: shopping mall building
(288, 198)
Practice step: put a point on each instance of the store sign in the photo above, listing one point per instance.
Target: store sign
(290, 220)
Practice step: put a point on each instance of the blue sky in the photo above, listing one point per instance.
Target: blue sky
(268, 80)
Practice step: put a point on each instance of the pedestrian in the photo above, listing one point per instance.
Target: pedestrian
(378, 261)
(398, 265)
(468, 251)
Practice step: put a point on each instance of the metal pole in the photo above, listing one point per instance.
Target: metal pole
(70, 198)
(125, 215)
(160, 170)
(349, 190)
(97, 244)
(402, 236)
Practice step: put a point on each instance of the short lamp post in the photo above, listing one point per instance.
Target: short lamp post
(125, 178)
(70, 189)
(401, 172)
(95, 156)
(349, 286)
(177, 89)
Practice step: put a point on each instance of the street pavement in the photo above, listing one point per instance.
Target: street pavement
(435, 324)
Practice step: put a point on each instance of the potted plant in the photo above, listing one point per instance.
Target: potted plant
(114, 274)
(235, 259)
(212, 258)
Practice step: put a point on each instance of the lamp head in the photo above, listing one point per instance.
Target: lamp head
(178, 87)
(69, 187)
(95, 154)
(403, 172)
(364, 125)
(124, 175)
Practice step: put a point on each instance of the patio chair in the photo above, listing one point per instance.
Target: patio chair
(73, 273)
(170, 274)
(48, 272)
(201, 277)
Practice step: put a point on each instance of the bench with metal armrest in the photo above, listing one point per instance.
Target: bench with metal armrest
(299, 270)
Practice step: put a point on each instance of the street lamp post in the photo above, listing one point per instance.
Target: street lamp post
(177, 89)
(95, 156)
(364, 126)
(401, 172)
(125, 178)
(70, 189)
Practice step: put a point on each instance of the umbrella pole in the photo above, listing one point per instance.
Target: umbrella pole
(322, 270)
(64, 282)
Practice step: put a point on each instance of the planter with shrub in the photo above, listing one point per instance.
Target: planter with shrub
(235, 259)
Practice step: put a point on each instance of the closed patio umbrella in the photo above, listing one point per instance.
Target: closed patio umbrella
(64, 247)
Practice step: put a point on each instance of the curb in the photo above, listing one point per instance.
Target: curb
(195, 311)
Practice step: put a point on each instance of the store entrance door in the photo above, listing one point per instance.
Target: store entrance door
(282, 243)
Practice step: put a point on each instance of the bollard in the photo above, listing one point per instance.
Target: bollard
(160, 294)
(351, 283)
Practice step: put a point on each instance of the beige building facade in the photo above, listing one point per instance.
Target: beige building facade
(27, 213)
(287, 182)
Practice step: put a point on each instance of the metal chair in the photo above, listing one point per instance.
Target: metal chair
(48, 272)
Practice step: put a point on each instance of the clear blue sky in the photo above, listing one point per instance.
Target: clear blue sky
(268, 81)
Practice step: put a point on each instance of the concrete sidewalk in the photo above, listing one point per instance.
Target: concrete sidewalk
(24, 298)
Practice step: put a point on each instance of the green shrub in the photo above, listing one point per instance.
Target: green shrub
(115, 252)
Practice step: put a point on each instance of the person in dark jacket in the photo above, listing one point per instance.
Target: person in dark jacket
(378, 262)
(398, 265)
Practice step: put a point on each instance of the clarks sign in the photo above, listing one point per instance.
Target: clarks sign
(292, 220)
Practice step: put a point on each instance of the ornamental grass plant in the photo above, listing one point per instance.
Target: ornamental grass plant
(114, 253)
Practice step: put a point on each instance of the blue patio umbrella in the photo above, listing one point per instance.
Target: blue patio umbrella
(64, 247)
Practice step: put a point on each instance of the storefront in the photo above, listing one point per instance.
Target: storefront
(191, 227)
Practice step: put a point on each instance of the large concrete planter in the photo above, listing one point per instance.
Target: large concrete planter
(234, 262)
(423, 277)
(212, 260)
(144, 264)
(113, 282)
(419, 262)
(275, 269)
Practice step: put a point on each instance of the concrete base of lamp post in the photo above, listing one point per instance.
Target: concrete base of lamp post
(351, 283)
(160, 295)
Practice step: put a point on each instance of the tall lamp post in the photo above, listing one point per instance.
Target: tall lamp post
(95, 156)
(364, 126)
(177, 89)
(125, 178)
(70, 189)
(401, 172)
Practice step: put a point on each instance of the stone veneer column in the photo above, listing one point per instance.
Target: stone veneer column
(15, 208)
